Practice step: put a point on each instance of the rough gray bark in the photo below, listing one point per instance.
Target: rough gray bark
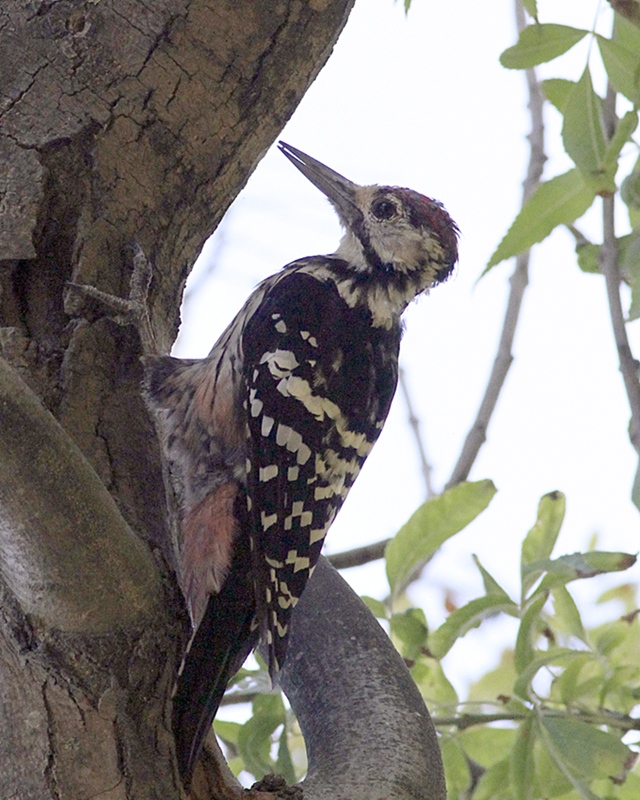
(88, 631)
(120, 122)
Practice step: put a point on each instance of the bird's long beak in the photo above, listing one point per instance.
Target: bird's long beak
(340, 191)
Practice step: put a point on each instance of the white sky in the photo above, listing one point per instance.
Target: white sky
(423, 102)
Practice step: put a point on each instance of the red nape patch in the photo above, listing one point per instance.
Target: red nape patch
(427, 213)
(208, 533)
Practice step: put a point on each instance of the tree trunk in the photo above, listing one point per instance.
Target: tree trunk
(123, 123)
(120, 122)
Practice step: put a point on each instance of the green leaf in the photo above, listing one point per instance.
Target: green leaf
(540, 43)
(284, 762)
(376, 607)
(495, 683)
(622, 134)
(456, 767)
(491, 585)
(630, 266)
(465, 618)
(521, 766)
(626, 33)
(629, 646)
(248, 682)
(623, 67)
(570, 687)
(432, 524)
(559, 201)
(410, 627)
(494, 783)
(254, 738)
(630, 187)
(626, 593)
(527, 631)
(549, 780)
(576, 566)
(589, 257)
(629, 790)
(522, 687)
(609, 638)
(487, 746)
(567, 617)
(634, 217)
(557, 91)
(531, 7)
(541, 539)
(584, 750)
(583, 135)
(433, 684)
(227, 731)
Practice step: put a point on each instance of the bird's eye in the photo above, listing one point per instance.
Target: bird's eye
(383, 209)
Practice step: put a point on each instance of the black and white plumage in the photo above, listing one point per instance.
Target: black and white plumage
(266, 435)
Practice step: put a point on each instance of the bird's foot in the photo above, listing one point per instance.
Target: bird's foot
(133, 310)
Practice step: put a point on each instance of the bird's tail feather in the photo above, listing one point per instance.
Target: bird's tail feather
(225, 637)
(210, 663)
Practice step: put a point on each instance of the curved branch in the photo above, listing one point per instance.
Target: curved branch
(66, 553)
(367, 730)
(518, 283)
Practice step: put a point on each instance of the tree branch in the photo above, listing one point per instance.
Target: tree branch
(367, 730)
(518, 283)
(622, 722)
(359, 555)
(610, 269)
(414, 424)
(66, 553)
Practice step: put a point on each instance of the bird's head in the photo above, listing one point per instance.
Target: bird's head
(393, 236)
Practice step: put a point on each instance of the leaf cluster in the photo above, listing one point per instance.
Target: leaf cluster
(594, 146)
(548, 721)
(270, 740)
(562, 695)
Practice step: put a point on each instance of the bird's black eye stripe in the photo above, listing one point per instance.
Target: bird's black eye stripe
(382, 208)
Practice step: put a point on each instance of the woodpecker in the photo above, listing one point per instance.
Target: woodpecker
(266, 435)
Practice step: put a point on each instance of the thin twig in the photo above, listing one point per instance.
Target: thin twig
(581, 239)
(414, 424)
(623, 722)
(359, 555)
(463, 721)
(610, 269)
(518, 284)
